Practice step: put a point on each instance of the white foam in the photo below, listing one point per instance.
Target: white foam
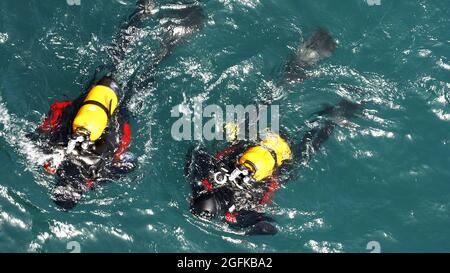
(324, 246)
(4, 194)
(13, 221)
(14, 133)
(441, 114)
(64, 231)
(37, 244)
(442, 64)
(3, 38)
(424, 52)
(121, 234)
(231, 4)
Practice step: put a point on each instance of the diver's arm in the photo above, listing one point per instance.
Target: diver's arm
(124, 162)
(217, 202)
(273, 186)
(254, 222)
(54, 125)
(53, 118)
(327, 120)
(197, 170)
(125, 140)
(127, 33)
(312, 141)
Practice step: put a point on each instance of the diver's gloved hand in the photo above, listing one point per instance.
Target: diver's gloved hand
(125, 164)
(262, 228)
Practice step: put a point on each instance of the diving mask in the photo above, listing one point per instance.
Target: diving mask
(240, 177)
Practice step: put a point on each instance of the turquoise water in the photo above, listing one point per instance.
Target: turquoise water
(384, 179)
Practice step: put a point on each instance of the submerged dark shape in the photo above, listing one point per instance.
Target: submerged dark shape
(180, 24)
(345, 109)
(316, 48)
(177, 23)
(320, 46)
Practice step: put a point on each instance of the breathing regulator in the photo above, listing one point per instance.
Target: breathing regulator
(241, 177)
(81, 138)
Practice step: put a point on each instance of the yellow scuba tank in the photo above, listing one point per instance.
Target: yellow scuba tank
(96, 109)
(264, 158)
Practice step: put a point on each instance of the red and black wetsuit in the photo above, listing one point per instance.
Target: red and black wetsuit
(108, 157)
(86, 168)
(244, 207)
(210, 201)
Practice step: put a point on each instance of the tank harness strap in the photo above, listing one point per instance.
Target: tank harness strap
(273, 153)
(252, 165)
(93, 102)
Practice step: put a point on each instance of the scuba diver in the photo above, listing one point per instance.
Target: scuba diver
(91, 134)
(237, 183)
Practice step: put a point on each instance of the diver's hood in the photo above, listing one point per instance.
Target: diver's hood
(111, 83)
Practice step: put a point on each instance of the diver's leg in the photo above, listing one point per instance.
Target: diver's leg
(179, 23)
(312, 141)
(128, 31)
(122, 41)
(334, 116)
(320, 46)
(344, 109)
(143, 10)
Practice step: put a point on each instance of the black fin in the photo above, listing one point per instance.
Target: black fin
(344, 109)
(320, 46)
(181, 23)
(322, 43)
(128, 30)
